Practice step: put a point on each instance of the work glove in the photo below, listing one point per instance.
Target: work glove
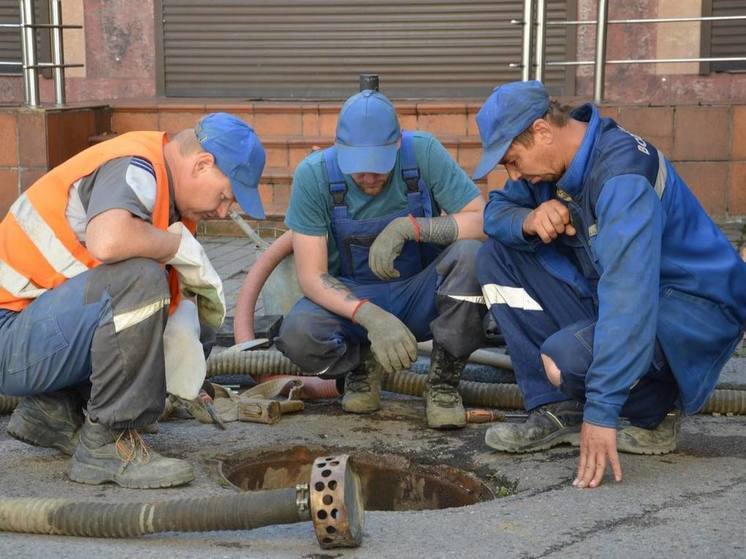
(389, 242)
(393, 345)
(185, 359)
(198, 278)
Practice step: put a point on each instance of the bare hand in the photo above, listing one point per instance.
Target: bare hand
(548, 221)
(596, 445)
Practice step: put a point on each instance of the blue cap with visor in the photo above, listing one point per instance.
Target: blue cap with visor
(239, 155)
(509, 110)
(367, 134)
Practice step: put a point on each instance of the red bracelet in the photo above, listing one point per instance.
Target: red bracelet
(416, 227)
(359, 304)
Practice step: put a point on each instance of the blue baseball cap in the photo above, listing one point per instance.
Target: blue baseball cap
(239, 155)
(367, 134)
(509, 110)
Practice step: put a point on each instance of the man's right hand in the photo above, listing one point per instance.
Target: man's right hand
(548, 221)
(394, 346)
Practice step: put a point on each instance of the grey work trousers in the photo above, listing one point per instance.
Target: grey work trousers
(102, 328)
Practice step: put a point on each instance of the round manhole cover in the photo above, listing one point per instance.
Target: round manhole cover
(389, 481)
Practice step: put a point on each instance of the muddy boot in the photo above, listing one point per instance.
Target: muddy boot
(50, 420)
(547, 426)
(362, 392)
(122, 457)
(443, 406)
(661, 440)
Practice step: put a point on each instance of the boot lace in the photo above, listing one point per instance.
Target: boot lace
(358, 381)
(131, 447)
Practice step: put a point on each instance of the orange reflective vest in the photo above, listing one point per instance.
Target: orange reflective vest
(39, 249)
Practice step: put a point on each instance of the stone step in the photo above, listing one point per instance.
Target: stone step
(289, 151)
(299, 118)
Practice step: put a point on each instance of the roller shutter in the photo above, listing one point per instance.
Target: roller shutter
(728, 38)
(10, 38)
(316, 49)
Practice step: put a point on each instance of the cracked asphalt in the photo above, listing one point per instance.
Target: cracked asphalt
(691, 503)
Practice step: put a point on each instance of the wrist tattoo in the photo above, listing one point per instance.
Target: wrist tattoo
(330, 282)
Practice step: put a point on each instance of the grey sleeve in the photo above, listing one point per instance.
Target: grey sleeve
(126, 183)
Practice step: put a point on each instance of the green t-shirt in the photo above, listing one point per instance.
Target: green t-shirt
(310, 208)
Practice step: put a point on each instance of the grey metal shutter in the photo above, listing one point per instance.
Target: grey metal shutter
(316, 49)
(728, 38)
(10, 38)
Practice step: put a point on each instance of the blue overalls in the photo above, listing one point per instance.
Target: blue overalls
(328, 344)
(640, 309)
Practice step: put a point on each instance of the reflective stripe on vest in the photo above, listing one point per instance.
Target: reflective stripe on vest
(39, 249)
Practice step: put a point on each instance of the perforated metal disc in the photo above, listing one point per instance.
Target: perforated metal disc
(336, 502)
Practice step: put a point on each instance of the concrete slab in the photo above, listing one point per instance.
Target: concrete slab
(686, 504)
(690, 503)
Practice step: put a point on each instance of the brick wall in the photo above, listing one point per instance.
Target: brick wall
(35, 140)
(706, 143)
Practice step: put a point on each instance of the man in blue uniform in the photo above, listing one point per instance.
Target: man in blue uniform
(379, 266)
(611, 284)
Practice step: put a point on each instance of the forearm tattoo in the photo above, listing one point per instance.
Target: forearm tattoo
(330, 282)
(438, 230)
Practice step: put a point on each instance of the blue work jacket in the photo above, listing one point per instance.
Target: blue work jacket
(651, 258)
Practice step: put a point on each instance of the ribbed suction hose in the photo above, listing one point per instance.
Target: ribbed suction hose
(8, 403)
(261, 363)
(255, 363)
(123, 520)
(334, 485)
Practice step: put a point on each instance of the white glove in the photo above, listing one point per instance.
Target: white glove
(185, 359)
(198, 278)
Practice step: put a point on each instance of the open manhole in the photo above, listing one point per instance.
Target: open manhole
(389, 481)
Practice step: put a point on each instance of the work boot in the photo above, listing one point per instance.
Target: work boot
(443, 406)
(547, 426)
(49, 420)
(661, 440)
(362, 391)
(121, 456)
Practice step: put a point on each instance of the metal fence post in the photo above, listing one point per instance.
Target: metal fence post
(541, 35)
(55, 13)
(28, 42)
(600, 70)
(528, 39)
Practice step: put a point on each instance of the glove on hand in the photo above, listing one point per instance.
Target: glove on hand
(198, 278)
(394, 346)
(388, 246)
(389, 242)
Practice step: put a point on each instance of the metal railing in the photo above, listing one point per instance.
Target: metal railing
(535, 25)
(30, 64)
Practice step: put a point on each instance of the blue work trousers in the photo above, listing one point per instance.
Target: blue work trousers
(442, 302)
(539, 313)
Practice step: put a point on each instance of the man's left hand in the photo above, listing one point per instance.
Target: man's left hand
(597, 445)
(388, 246)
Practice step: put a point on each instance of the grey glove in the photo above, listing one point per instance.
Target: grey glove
(394, 346)
(389, 242)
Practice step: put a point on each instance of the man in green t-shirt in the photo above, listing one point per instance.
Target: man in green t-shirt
(378, 221)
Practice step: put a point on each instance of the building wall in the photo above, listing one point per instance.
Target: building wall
(118, 47)
(673, 83)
